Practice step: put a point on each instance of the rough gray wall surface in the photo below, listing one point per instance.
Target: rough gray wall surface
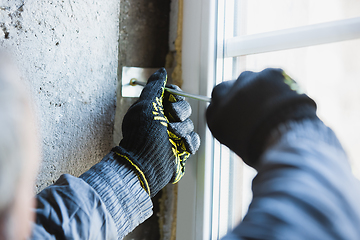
(68, 51)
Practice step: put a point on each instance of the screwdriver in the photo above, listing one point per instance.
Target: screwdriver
(134, 82)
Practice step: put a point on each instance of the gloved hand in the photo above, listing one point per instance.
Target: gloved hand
(158, 135)
(242, 113)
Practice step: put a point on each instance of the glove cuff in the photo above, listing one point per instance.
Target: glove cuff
(152, 176)
(304, 108)
(123, 158)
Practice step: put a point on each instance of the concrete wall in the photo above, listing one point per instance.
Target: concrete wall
(71, 53)
(68, 52)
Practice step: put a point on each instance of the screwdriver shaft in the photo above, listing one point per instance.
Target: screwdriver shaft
(134, 82)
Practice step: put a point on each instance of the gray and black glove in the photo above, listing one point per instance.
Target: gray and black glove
(242, 113)
(158, 135)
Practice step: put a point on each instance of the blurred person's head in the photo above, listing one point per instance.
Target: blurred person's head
(19, 154)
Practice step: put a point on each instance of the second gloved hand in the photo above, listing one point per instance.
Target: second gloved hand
(158, 136)
(242, 113)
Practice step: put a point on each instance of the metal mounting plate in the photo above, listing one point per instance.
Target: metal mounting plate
(128, 73)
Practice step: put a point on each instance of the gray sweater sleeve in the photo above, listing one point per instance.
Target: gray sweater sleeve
(304, 189)
(106, 202)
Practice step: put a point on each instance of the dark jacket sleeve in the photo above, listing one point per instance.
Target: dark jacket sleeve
(106, 202)
(304, 189)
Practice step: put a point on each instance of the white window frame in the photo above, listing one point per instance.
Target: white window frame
(206, 46)
(193, 208)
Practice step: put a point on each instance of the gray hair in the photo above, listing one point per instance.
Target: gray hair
(13, 104)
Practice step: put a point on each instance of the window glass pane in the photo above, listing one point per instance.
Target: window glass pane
(330, 74)
(263, 15)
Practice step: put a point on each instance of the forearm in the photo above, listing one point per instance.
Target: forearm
(158, 137)
(304, 188)
(106, 202)
(120, 190)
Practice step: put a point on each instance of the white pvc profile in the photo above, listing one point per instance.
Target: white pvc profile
(198, 60)
(293, 37)
(201, 213)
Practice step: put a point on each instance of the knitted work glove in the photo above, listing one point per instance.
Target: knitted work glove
(158, 136)
(242, 113)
